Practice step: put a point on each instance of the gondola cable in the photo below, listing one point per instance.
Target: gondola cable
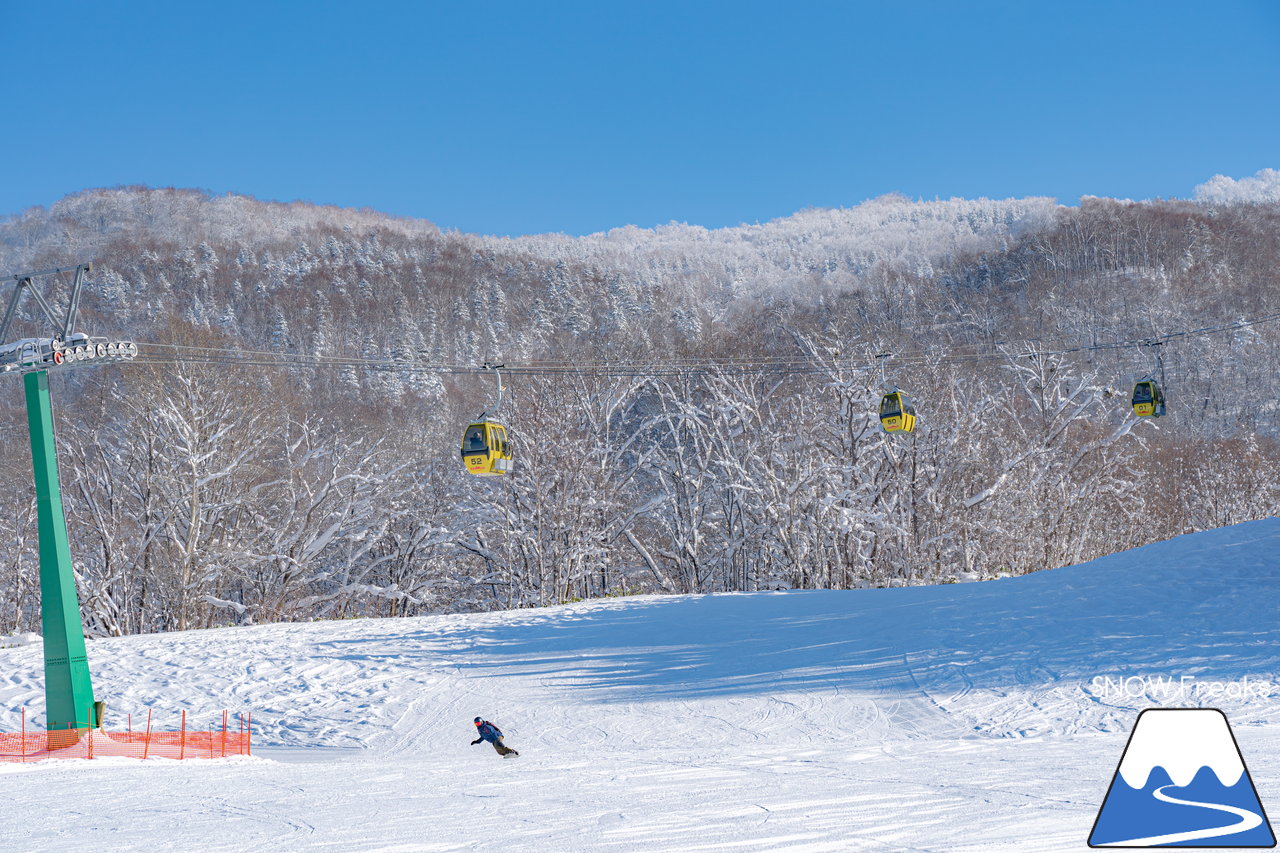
(485, 448)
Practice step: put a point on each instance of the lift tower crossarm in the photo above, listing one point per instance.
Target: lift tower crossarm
(26, 280)
(43, 273)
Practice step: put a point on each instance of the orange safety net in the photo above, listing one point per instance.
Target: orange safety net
(224, 739)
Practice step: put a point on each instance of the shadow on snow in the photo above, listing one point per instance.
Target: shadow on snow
(1200, 606)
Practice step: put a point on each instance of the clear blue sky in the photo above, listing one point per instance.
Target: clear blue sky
(558, 115)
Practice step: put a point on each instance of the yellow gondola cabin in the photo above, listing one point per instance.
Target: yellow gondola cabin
(485, 451)
(896, 412)
(1148, 399)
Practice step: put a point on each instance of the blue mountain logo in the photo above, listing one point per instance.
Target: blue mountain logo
(1182, 782)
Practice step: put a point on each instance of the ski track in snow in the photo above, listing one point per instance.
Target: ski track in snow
(953, 718)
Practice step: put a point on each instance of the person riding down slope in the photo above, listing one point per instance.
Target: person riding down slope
(488, 731)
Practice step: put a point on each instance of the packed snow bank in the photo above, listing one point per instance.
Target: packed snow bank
(24, 638)
(942, 718)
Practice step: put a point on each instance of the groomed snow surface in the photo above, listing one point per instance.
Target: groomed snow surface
(986, 716)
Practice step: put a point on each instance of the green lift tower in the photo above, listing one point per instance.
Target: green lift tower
(69, 702)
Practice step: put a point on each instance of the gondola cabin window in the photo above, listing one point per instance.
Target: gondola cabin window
(474, 441)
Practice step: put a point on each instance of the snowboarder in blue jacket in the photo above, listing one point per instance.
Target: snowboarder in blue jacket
(488, 731)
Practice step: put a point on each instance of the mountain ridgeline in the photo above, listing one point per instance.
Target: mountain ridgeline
(225, 493)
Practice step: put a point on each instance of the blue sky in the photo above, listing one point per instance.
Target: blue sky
(525, 117)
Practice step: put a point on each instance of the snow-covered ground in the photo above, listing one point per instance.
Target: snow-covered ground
(983, 716)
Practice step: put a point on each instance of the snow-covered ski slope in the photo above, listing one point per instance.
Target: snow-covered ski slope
(948, 718)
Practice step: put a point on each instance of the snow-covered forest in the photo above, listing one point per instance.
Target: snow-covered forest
(211, 494)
